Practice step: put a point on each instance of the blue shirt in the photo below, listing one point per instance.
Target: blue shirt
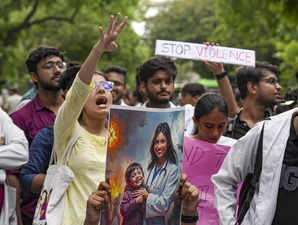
(39, 157)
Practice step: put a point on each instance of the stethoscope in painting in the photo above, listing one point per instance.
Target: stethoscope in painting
(163, 171)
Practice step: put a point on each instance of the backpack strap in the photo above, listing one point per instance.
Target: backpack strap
(251, 181)
(259, 158)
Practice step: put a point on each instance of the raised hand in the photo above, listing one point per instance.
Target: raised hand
(215, 68)
(105, 44)
(107, 39)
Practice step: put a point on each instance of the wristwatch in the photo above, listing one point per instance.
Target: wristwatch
(221, 75)
(190, 219)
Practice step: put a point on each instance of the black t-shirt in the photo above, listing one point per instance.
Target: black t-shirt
(287, 199)
(237, 128)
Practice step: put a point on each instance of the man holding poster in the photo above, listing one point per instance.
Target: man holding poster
(157, 76)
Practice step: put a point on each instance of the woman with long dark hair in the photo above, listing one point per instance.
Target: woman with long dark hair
(162, 176)
(210, 119)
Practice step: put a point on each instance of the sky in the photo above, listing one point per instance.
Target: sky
(139, 27)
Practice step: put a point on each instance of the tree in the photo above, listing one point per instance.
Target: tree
(179, 20)
(261, 26)
(268, 27)
(70, 25)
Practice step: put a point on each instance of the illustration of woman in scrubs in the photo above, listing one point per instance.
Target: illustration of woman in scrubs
(162, 176)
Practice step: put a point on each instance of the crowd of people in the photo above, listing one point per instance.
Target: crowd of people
(70, 97)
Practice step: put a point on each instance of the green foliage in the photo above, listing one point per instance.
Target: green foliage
(289, 56)
(179, 20)
(268, 27)
(288, 11)
(263, 26)
(75, 34)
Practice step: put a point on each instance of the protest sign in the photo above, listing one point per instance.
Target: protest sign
(139, 140)
(193, 51)
(200, 161)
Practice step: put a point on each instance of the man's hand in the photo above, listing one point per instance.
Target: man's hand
(190, 197)
(107, 39)
(97, 201)
(215, 68)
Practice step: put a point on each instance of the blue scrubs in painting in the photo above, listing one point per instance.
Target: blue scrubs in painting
(161, 190)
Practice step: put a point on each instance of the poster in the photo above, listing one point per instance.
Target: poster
(200, 161)
(144, 164)
(195, 51)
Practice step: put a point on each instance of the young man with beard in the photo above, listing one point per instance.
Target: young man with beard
(45, 65)
(157, 77)
(260, 91)
(117, 75)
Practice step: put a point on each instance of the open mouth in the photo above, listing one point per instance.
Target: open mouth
(159, 152)
(140, 180)
(101, 100)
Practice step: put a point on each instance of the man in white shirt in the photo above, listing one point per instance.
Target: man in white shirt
(157, 77)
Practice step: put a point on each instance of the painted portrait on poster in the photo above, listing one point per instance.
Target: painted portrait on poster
(144, 165)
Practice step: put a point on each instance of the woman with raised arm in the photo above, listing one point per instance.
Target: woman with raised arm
(86, 108)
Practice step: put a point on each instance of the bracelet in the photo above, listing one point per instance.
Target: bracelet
(221, 75)
(189, 219)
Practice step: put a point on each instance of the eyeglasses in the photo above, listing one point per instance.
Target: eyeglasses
(51, 65)
(106, 85)
(271, 80)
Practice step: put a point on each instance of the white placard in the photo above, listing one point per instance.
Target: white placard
(193, 51)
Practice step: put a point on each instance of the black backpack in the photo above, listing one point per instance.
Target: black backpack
(250, 183)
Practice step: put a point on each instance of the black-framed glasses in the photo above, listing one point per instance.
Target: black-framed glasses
(51, 65)
(271, 80)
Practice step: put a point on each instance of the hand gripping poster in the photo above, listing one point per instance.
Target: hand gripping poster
(144, 164)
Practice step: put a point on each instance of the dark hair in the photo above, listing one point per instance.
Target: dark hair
(193, 89)
(155, 64)
(116, 69)
(72, 63)
(253, 74)
(68, 77)
(130, 169)
(291, 101)
(292, 94)
(170, 153)
(141, 98)
(40, 53)
(207, 103)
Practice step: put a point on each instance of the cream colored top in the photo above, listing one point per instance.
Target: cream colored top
(88, 157)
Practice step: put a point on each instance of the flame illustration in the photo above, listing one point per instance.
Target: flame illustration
(114, 140)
